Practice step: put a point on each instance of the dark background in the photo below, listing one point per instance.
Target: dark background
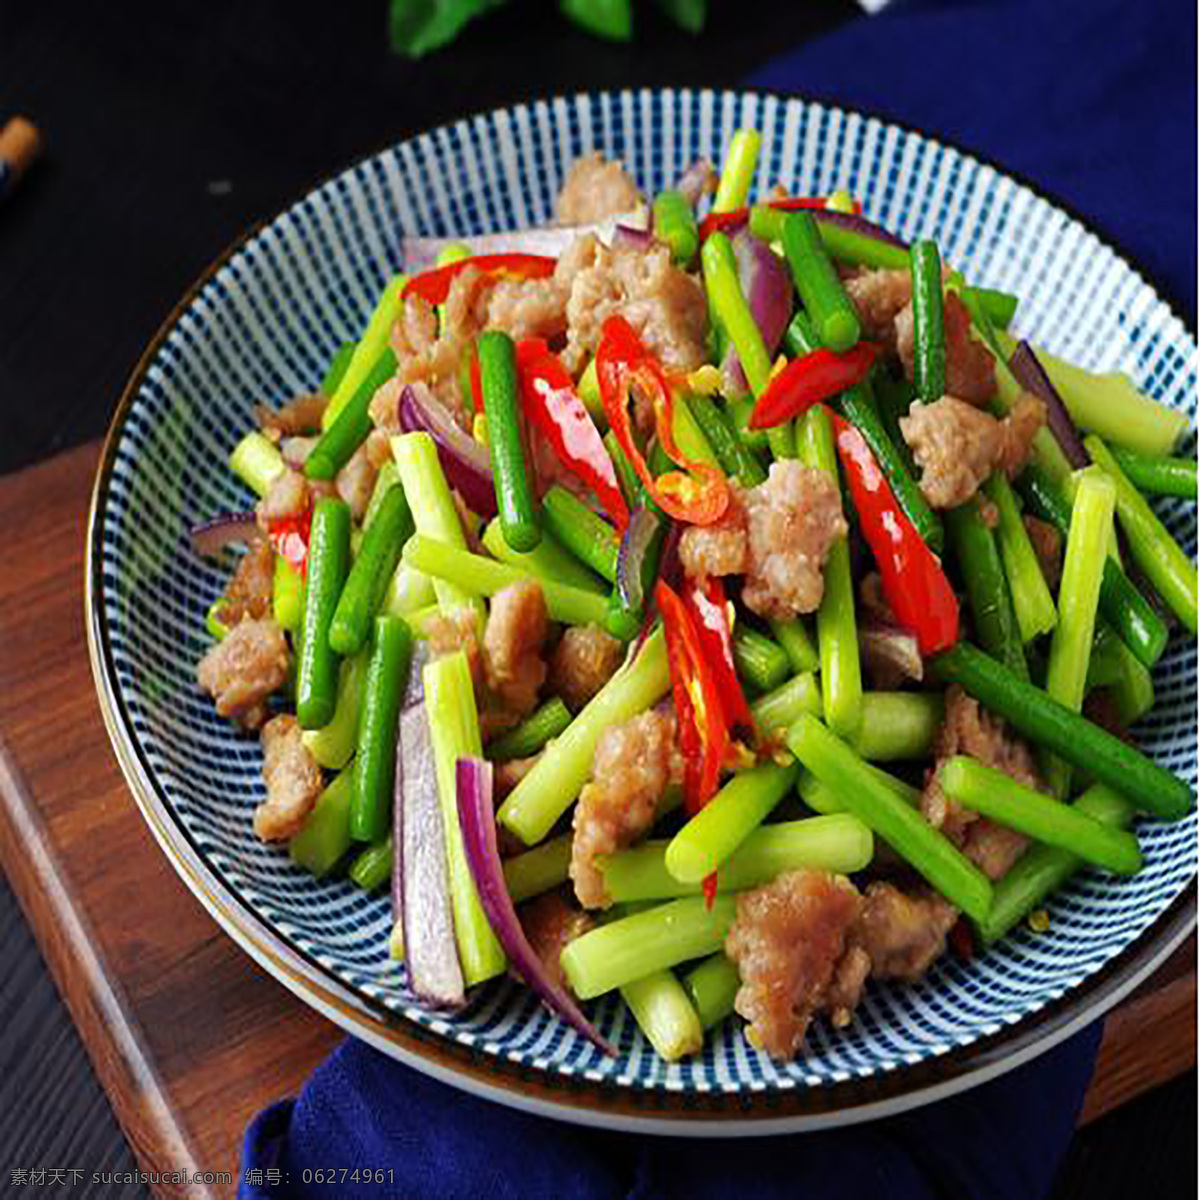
(170, 128)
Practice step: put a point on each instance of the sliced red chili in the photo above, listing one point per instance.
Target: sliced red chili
(434, 285)
(736, 217)
(699, 493)
(554, 406)
(289, 536)
(476, 384)
(808, 380)
(914, 583)
(699, 709)
(710, 610)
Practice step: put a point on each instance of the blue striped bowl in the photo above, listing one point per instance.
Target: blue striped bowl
(260, 326)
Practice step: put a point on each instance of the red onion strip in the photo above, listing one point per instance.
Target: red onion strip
(226, 529)
(1031, 375)
(464, 460)
(478, 820)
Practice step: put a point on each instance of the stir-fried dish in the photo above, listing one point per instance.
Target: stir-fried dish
(704, 601)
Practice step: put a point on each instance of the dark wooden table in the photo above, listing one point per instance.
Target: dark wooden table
(187, 1034)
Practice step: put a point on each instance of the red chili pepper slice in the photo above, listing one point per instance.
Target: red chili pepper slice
(699, 709)
(434, 285)
(289, 536)
(914, 583)
(476, 384)
(739, 216)
(710, 611)
(810, 379)
(552, 403)
(700, 493)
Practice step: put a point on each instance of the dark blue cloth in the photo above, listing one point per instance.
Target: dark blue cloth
(1093, 101)
(1002, 1140)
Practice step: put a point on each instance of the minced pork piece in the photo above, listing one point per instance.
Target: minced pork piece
(777, 534)
(513, 639)
(957, 446)
(584, 660)
(551, 922)
(665, 304)
(249, 591)
(595, 188)
(787, 939)
(968, 729)
(634, 763)
(243, 669)
(293, 780)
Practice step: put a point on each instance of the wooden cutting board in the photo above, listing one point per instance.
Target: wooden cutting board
(188, 1035)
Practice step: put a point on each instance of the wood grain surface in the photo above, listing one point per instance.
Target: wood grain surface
(189, 1037)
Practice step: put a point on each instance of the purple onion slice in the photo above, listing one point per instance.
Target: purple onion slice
(856, 223)
(477, 817)
(1031, 375)
(767, 285)
(465, 461)
(225, 529)
(697, 181)
(420, 253)
(420, 884)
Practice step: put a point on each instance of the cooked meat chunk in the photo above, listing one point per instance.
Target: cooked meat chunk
(508, 774)
(525, 308)
(787, 939)
(550, 921)
(422, 356)
(594, 189)
(292, 777)
(301, 415)
(248, 593)
(288, 496)
(957, 446)
(295, 450)
(777, 534)
(1021, 426)
(968, 729)
(993, 847)
(793, 519)
(970, 370)
(634, 763)
(664, 304)
(902, 933)
(722, 548)
(241, 671)
(476, 301)
(879, 297)
(512, 646)
(585, 659)
(356, 480)
(459, 630)
(1048, 546)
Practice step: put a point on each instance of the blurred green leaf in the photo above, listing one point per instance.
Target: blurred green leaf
(612, 19)
(416, 27)
(687, 14)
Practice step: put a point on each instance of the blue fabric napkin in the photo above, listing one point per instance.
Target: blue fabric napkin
(1002, 1140)
(1095, 102)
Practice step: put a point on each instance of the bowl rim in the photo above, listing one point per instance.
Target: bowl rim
(484, 1071)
